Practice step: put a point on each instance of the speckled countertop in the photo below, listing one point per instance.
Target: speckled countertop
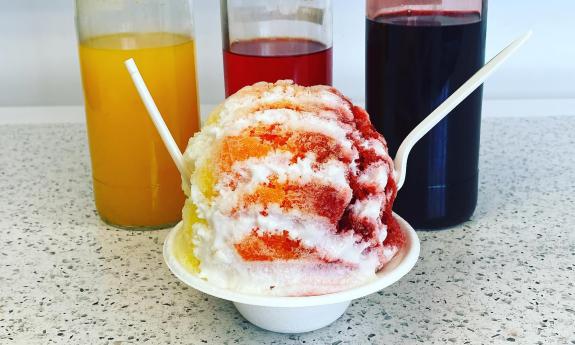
(508, 275)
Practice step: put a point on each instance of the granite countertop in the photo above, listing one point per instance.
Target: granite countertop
(507, 275)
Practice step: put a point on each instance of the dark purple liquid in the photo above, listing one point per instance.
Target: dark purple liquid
(414, 61)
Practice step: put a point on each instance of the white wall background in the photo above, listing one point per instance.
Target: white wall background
(39, 65)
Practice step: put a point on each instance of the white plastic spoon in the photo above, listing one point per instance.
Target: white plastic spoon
(157, 119)
(448, 105)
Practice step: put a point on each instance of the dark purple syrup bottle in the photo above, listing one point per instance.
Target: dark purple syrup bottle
(416, 57)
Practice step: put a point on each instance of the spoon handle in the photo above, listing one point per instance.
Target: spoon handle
(156, 117)
(449, 104)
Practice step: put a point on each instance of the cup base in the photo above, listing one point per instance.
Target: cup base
(294, 319)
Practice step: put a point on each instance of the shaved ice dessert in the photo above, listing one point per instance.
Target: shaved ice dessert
(290, 194)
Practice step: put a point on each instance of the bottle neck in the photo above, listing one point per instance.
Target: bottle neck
(379, 8)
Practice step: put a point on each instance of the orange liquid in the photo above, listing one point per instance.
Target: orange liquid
(135, 181)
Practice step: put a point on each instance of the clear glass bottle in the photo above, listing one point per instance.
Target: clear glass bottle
(269, 40)
(136, 185)
(418, 53)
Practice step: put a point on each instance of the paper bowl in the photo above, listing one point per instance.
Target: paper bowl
(299, 314)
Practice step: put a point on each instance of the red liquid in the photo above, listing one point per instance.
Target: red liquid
(304, 61)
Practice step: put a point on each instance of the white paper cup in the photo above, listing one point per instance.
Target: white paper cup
(299, 314)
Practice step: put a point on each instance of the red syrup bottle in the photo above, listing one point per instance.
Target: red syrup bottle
(281, 40)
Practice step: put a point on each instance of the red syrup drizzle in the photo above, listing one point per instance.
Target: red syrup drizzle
(312, 198)
(395, 237)
(270, 247)
(259, 141)
(322, 200)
